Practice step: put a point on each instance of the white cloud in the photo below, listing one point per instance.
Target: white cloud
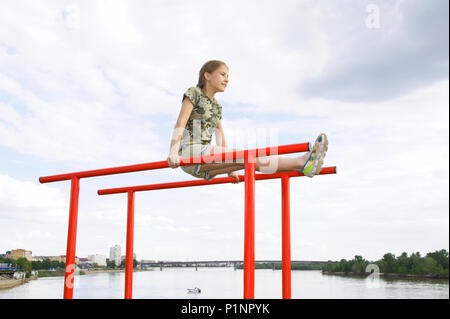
(97, 84)
(32, 216)
(29, 200)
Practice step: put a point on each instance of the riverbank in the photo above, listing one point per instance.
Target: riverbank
(385, 275)
(10, 283)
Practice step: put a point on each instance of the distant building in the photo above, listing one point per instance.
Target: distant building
(100, 260)
(85, 263)
(60, 258)
(114, 254)
(19, 253)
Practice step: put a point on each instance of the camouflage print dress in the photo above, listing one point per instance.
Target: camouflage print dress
(200, 127)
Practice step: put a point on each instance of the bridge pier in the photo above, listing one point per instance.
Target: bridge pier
(196, 267)
(160, 267)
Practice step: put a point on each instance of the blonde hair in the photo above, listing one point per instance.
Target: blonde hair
(209, 67)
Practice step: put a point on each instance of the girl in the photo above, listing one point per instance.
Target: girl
(201, 116)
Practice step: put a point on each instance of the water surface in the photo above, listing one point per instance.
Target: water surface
(227, 283)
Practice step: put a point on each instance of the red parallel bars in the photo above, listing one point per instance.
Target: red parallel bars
(71, 238)
(286, 237)
(229, 156)
(249, 226)
(129, 249)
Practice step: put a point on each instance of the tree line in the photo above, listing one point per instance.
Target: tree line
(26, 265)
(435, 263)
(278, 266)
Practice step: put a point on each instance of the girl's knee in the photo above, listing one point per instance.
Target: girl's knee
(267, 164)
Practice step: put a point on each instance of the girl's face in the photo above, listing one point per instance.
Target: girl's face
(218, 80)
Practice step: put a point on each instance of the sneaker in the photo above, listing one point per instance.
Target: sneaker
(314, 163)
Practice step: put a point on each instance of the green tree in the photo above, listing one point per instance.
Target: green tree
(441, 257)
(46, 264)
(388, 263)
(36, 264)
(402, 263)
(122, 264)
(416, 263)
(55, 264)
(111, 264)
(359, 264)
(24, 264)
(346, 266)
(435, 263)
(429, 265)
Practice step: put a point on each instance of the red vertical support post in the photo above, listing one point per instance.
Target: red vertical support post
(71, 239)
(129, 249)
(286, 237)
(249, 234)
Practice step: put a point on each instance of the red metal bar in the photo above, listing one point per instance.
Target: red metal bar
(249, 232)
(129, 249)
(71, 239)
(222, 157)
(286, 237)
(200, 182)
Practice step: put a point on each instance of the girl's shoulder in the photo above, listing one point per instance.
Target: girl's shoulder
(193, 93)
(194, 88)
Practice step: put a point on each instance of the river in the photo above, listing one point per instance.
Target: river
(226, 283)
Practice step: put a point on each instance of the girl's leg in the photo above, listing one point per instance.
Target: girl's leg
(227, 170)
(268, 164)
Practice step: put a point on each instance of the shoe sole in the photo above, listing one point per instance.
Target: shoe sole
(319, 162)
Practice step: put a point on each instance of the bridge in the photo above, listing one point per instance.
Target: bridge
(226, 263)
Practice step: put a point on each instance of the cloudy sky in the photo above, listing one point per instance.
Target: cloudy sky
(95, 84)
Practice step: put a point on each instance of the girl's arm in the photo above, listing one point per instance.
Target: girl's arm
(220, 141)
(220, 136)
(186, 109)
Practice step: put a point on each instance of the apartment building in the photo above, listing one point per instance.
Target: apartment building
(114, 254)
(19, 253)
(100, 260)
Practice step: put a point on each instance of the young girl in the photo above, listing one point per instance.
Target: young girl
(201, 116)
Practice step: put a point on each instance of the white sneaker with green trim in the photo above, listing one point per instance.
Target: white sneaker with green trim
(314, 163)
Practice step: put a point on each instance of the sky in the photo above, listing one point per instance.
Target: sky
(95, 84)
